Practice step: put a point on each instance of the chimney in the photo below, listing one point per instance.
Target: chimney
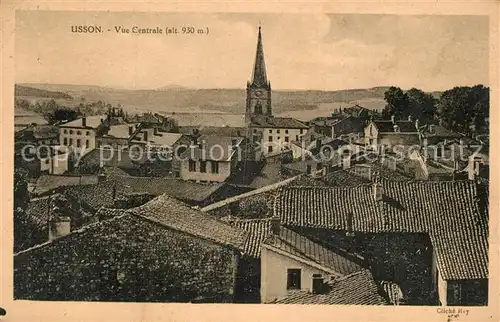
(473, 167)
(84, 121)
(377, 191)
(275, 225)
(393, 119)
(59, 226)
(146, 135)
(101, 177)
(317, 284)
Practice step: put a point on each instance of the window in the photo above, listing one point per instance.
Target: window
(269, 149)
(65, 141)
(301, 131)
(278, 131)
(47, 161)
(65, 131)
(270, 131)
(78, 133)
(287, 139)
(279, 138)
(293, 279)
(203, 166)
(255, 139)
(87, 143)
(271, 138)
(308, 170)
(296, 138)
(87, 133)
(215, 167)
(318, 166)
(70, 131)
(70, 141)
(78, 143)
(254, 130)
(192, 166)
(286, 131)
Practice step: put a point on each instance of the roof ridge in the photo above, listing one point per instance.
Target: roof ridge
(72, 233)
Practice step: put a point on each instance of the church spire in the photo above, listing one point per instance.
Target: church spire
(259, 77)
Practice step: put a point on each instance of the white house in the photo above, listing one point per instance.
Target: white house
(81, 133)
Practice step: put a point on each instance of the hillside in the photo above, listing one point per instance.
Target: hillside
(180, 99)
(20, 90)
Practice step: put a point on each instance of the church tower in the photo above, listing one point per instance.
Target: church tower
(259, 89)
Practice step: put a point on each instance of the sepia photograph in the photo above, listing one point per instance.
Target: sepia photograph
(265, 158)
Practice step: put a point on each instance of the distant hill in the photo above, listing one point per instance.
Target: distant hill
(174, 98)
(20, 90)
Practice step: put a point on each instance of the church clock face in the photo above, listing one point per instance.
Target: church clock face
(259, 93)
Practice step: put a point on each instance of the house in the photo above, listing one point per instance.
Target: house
(117, 136)
(81, 133)
(290, 261)
(274, 134)
(436, 133)
(391, 133)
(160, 148)
(155, 120)
(211, 158)
(163, 251)
(439, 228)
(38, 135)
(43, 159)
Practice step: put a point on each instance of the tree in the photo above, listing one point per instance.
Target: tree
(465, 109)
(61, 114)
(397, 103)
(422, 106)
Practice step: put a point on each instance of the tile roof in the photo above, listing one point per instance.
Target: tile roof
(447, 210)
(219, 148)
(215, 130)
(177, 215)
(108, 213)
(386, 126)
(300, 246)
(91, 122)
(101, 194)
(46, 183)
(121, 130)
(258, 230)
(343, 178)
(355, 289)
(161, 138)
(277, 122)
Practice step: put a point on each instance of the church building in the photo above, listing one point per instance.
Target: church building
(274, 133)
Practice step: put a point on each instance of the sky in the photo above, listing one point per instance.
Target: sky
(302, 51)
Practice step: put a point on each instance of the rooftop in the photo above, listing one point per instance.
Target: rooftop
(356, 289)
(177, 215)
(258, 230)
(277, 122)
(337, 262)
(101, 194)
(387, 126)
(219, 148)
(91, 122)
(121, 130)
(448, 211)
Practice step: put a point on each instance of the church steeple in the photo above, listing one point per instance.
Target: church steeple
(259, 89)
(259, 76)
